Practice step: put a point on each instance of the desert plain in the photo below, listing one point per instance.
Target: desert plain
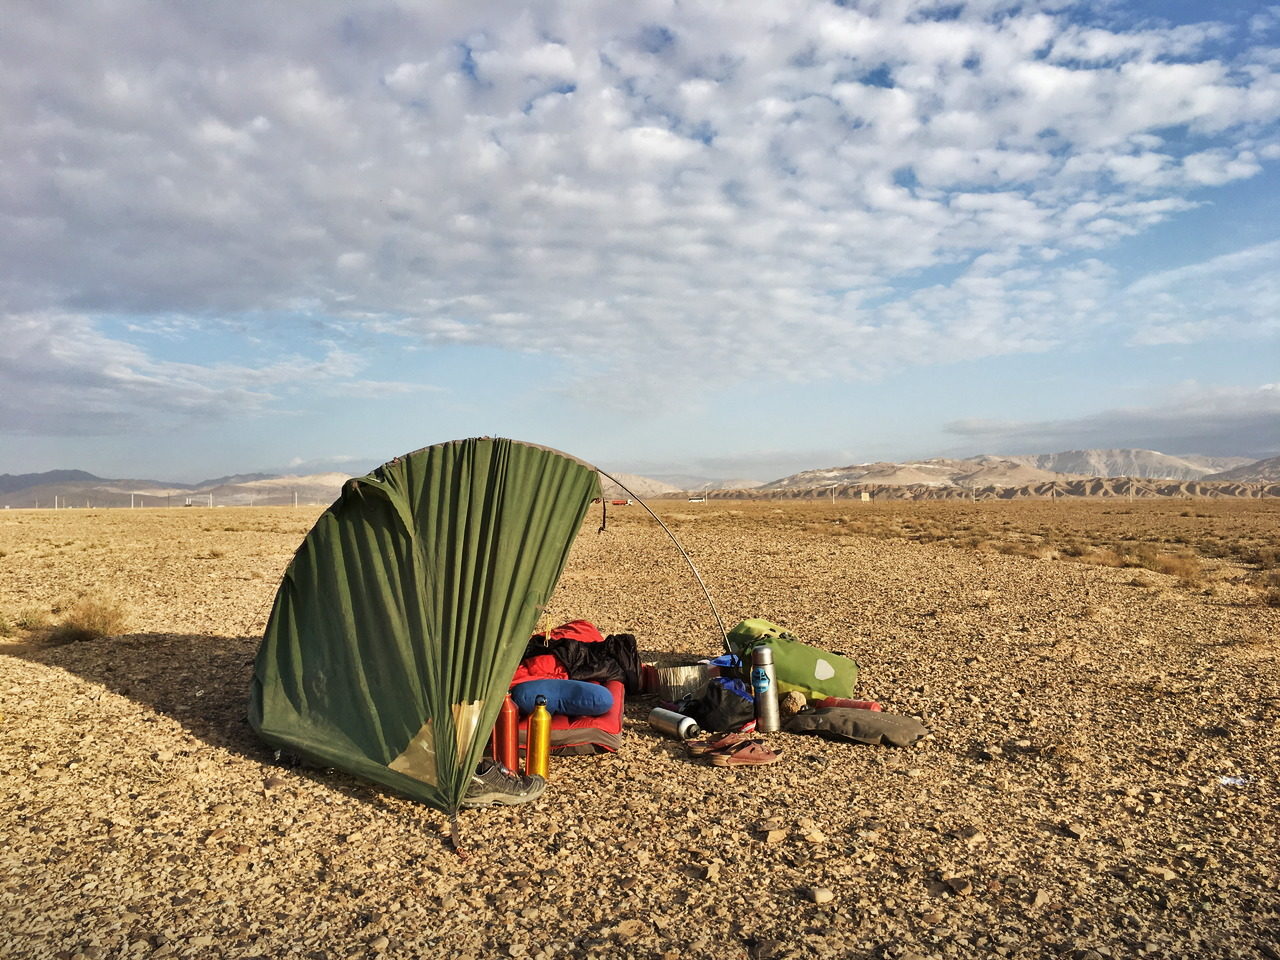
(1099, 678)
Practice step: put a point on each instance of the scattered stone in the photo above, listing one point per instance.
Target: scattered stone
(763, 949)
(821, 895)
(792, 703)
(630, 929)
(1040, 899)
(1075, 830)
(378, 944)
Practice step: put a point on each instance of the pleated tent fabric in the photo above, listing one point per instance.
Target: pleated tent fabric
(403, 616)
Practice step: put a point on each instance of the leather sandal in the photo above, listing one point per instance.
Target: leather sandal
(748, 753)
(700, 748)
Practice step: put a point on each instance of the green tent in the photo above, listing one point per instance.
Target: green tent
(403, 616)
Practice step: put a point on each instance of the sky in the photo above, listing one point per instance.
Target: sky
(713, 239)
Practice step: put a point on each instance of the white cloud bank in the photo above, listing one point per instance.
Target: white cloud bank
(710, 190)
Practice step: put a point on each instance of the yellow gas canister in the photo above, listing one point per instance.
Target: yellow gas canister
(537, 749)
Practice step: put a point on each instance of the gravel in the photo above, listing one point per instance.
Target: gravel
(1101, 779)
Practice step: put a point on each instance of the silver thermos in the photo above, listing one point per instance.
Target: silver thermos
(673, 724)
(764, 685)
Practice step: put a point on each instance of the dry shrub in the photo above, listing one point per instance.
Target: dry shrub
(1270, 592)
(1186, 567)
(1104, 557)
(1265, 558)
(1074, 548)
(1140, 555)
(6, 628)
(32, 618)
(1035, 551)
(90, 618)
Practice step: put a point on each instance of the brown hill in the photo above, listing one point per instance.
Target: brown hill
(1044, 490)
(1261, 471)
(1149, 464)
(938, 472)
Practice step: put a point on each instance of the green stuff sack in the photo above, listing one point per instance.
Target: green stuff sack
(813, 672)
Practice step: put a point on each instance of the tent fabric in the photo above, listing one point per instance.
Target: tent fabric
(402, 617)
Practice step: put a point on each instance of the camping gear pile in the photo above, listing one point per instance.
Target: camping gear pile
(816, 688)
(402, 623)
(585, 677)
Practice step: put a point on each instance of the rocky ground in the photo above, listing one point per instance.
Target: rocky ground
(1101, 780)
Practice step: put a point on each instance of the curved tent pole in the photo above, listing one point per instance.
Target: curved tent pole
(724, 636)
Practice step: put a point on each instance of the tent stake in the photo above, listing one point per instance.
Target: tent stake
(455, 836)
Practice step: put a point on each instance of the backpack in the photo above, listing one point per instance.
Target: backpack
(723, 705)
(798, 666)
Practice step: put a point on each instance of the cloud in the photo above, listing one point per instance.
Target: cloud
(1194, 419)
(1233, 295)
(707, 191)
(64, 377)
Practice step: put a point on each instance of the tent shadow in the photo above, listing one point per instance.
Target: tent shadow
(198, 680)
(201, 681)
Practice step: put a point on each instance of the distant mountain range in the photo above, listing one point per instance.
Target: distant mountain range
(1260, 471)
(1009, 471)
(1073, 472)
(75, 488)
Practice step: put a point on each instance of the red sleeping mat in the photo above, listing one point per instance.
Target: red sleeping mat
(572, 736)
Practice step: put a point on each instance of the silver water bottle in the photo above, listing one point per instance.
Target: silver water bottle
(673, 724)
(764, 686)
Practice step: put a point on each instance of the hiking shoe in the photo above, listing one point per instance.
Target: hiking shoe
(493, 783)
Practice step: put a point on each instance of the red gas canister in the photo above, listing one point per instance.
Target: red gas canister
(505, 742)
